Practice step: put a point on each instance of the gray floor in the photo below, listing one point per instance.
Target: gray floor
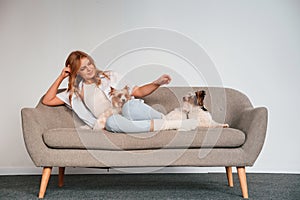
(153, 186)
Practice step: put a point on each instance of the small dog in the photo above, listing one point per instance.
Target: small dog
(118, 99)
(193, 108)
(182, 113)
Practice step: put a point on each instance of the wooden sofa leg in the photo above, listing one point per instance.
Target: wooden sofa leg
(229, 176)
(44, 181)
(61, 174)
(243, 181)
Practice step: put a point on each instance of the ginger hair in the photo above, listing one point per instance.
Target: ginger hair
(74, 61)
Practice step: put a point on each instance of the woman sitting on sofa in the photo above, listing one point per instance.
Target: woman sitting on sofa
(88, 96)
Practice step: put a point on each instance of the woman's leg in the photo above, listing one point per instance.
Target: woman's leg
(119, 124)
(137, 110)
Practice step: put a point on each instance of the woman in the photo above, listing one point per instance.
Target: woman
(88, 86)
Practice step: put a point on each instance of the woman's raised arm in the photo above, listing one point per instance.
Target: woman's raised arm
(147, 89)
(50, 97)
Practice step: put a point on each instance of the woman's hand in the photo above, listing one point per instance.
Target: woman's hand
(50, 97)
(65, 72)
(164, 79)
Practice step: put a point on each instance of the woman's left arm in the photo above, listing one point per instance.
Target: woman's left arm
(147, 89)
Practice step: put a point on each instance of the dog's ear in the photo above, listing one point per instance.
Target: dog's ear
(200, 94)
(112, 90)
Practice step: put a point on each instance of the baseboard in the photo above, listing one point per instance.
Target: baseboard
(78, 170)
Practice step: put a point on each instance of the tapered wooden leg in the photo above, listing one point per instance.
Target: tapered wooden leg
(61, 174)
(44, 181)
(229, 176)
(243, 181)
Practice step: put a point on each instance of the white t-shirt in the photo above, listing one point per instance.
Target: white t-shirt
(96, 99)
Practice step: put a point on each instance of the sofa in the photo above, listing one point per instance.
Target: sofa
(55, 137)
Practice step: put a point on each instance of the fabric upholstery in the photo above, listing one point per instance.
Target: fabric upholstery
(70, 138)
(47, 128)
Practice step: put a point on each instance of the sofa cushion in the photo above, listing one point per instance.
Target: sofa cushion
(71, 138)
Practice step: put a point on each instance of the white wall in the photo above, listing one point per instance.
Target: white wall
(255, 46)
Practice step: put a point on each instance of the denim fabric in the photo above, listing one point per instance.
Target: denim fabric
(136, 117)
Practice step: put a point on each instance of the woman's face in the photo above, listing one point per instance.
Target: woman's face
(87, 70)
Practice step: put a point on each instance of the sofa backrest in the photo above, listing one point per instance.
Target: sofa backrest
(224, 104)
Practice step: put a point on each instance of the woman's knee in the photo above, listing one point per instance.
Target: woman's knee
(128, 109)
(112, 123)
(136, 109)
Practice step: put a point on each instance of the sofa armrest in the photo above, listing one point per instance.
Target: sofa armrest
(33, 128)
(253, 122)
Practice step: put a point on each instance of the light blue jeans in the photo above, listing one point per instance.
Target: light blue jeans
(136, 117)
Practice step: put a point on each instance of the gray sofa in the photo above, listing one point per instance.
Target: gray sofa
(55, 137)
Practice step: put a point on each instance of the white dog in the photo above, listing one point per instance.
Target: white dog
(193, 108)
